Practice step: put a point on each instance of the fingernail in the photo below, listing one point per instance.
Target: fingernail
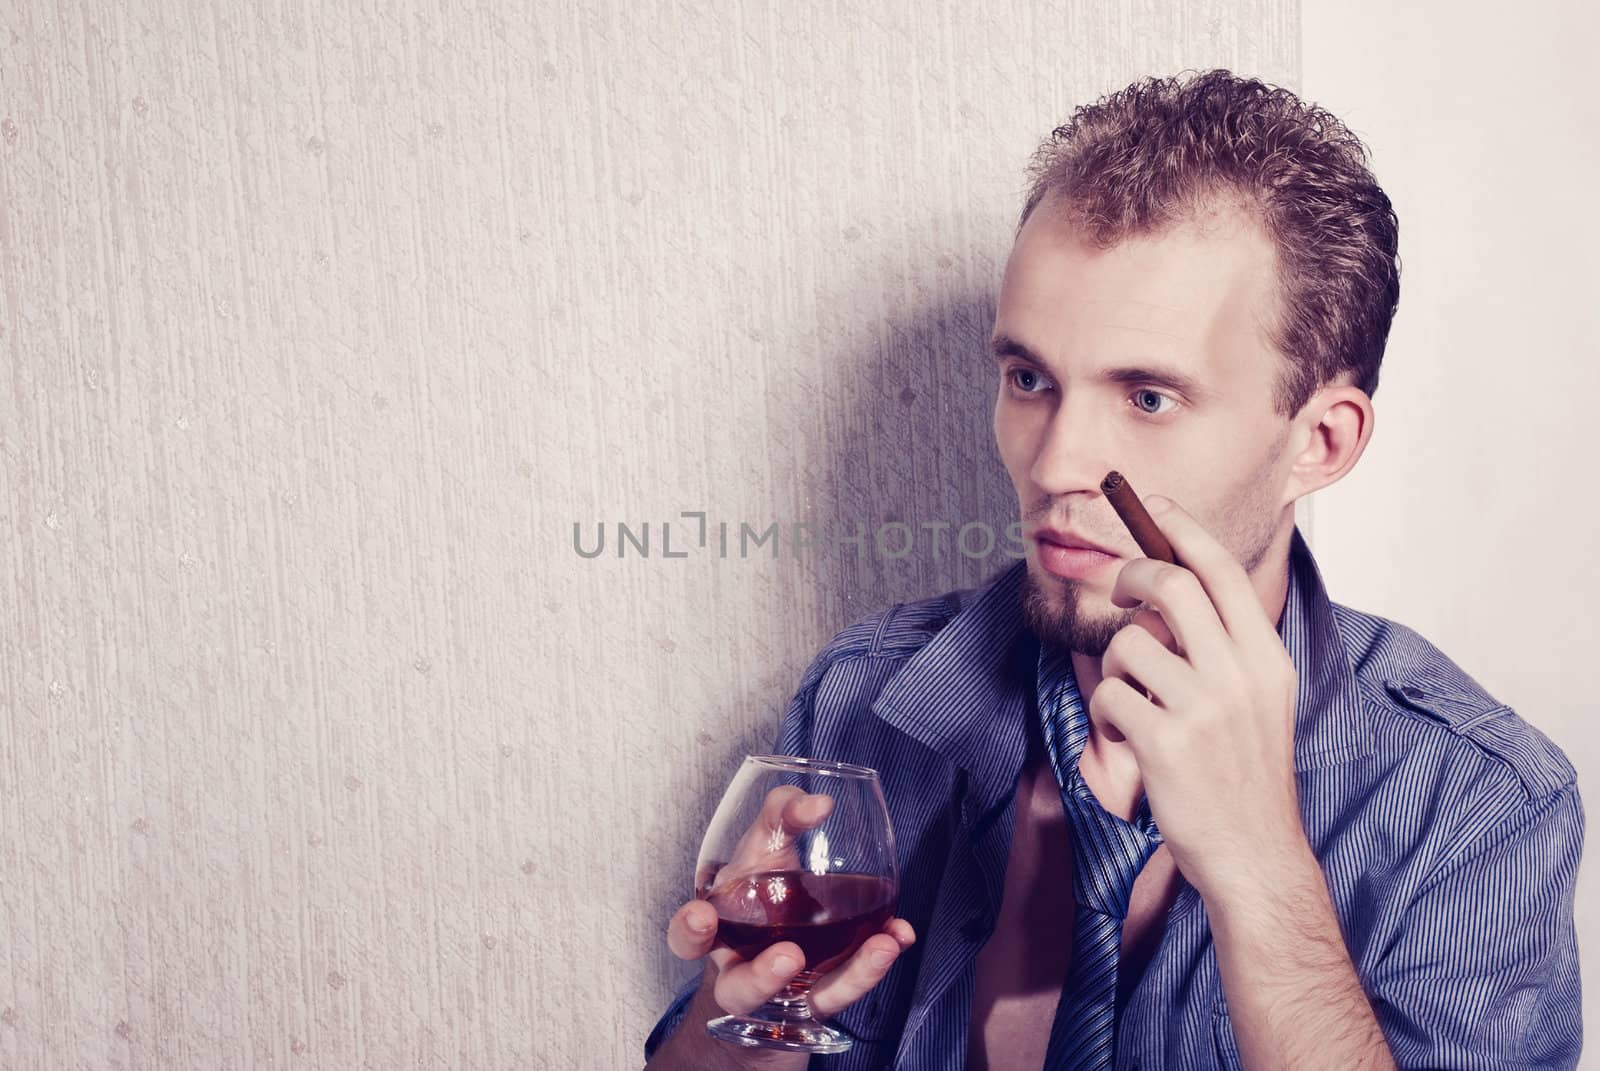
(699, 925)
(880, 958)
(783, 964)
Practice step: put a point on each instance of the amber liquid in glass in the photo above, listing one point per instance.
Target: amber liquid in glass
(827, 915)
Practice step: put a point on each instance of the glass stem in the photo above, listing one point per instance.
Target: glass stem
(791, 1003)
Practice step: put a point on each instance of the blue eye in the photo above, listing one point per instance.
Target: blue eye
(1031, 383)
(1025, 380)
(1148, 393)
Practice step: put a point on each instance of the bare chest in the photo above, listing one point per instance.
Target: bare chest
(1021, 967)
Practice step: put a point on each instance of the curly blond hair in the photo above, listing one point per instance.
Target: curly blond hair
(1166, 150)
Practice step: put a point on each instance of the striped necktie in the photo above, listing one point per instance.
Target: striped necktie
(1107, 855)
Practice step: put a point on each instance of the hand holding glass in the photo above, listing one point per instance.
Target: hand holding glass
(799, 850)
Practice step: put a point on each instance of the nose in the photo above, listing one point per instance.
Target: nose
(1070, 455)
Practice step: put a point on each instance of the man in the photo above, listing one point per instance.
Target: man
(1192, 815)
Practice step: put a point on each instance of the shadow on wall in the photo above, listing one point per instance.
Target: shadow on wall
(901, 434)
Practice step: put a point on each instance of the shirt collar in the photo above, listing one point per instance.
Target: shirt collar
(965, 693)
(1330, 725)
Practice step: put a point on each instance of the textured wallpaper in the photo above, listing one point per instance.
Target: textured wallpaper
(323, 327)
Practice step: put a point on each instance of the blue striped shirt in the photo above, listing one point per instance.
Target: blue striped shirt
(1449, 831)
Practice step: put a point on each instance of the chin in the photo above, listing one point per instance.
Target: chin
(1052, 608)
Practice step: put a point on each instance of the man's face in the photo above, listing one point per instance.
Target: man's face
(1149, 358)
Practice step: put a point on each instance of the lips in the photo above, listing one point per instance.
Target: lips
(1072, 557)
(1070, 541)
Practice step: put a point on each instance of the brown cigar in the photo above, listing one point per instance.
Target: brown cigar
(1137, 518)
(1140, 523)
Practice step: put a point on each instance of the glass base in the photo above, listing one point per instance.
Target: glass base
(784, 1022)
(792, 1035)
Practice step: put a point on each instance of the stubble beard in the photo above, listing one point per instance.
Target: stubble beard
(1056, 609)
(1060, 620)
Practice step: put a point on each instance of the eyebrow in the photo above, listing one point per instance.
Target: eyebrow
(1002, 346)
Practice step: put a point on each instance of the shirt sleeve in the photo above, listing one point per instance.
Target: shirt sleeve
(1483, 971)
(671, 1018)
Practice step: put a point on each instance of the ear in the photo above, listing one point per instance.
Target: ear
(1332, 433)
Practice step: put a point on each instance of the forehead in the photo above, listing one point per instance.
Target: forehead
(1202, 291)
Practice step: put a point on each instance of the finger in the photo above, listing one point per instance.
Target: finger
(1152, 622)
(901, 931)
(1116, 703)
(785, 813)
(692, 930)
(1224, 579)
(773, 806)
(743, 986)
(849, 982)
(766, 838)
(1177, 594)
(1134, 655)
(806, 812)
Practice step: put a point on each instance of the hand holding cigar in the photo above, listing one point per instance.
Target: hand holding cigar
(1145, 532)
(1205, 694)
